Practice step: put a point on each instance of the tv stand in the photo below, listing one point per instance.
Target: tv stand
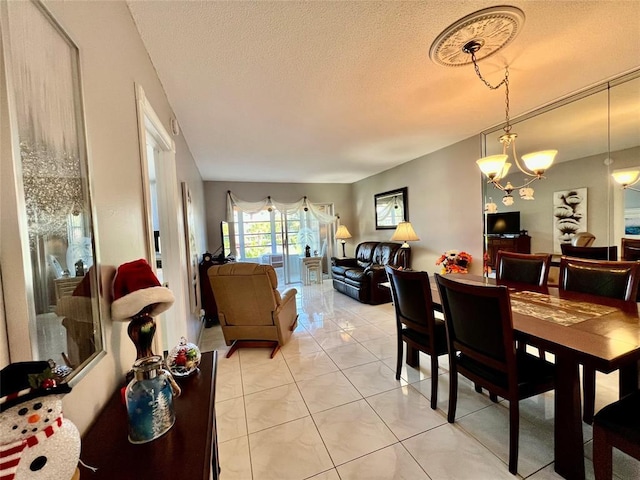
(511, 243)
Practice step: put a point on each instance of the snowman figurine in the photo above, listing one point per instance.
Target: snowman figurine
(36, 442)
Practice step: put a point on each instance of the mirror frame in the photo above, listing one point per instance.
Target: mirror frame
(52, 144)
(614, 191)
(399, 195)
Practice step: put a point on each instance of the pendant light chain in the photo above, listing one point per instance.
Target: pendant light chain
(507, 127)
(505, 82)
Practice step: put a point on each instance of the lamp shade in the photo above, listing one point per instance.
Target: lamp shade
(342, 233)
(626, 177)
(538, 162)
(405, 233)
(493, 165)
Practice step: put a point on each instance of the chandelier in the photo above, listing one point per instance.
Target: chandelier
(626, 178)
(469, 40)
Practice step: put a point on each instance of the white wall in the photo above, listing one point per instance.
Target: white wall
(113, 59)
(445, 204)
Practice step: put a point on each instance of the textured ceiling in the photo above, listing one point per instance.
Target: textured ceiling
(338, 91)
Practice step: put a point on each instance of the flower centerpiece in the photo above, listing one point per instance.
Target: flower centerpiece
(453, 261)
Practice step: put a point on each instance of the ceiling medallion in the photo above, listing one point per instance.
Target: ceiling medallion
(492, 28)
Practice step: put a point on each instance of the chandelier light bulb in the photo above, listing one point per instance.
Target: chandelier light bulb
(626, 177)
(538, 162)
(492, 166)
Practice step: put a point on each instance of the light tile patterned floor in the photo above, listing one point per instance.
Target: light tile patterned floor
(328, 407)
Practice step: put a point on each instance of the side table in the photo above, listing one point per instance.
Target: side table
(188, 450)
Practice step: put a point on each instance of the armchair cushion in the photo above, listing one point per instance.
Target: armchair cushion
(250, 306)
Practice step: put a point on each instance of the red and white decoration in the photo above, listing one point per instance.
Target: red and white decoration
(36, 441)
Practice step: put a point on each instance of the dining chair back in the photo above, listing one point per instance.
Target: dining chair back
(524, 268)
(593, 253)
(605, 279)
(482, 348)
(602, 278)
(630, 249)
(616, 425)
(416, 323)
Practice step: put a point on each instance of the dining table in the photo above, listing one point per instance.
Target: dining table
(579, 329)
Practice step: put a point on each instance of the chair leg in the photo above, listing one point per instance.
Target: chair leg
(602, 455)
(234, 346)
(413, 359)
(399, 360)
(589, 393)
(478, 388)
(275, 350)
(514, 432)
(434, 381)
(453, 394)
(254, 344)
(493, 397)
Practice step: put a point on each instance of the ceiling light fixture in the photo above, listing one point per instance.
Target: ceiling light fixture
(469, 40)
(627, 178)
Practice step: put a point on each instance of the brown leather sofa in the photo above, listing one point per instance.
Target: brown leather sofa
(360, 277)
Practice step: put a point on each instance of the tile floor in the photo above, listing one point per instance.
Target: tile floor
(328, 407)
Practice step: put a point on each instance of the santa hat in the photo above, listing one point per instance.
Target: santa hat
(23, 381)
(135, 287)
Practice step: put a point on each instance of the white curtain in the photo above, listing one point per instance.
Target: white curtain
(288, 208)
(386, 211)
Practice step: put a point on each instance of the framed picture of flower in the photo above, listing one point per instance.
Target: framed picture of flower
(569, 215)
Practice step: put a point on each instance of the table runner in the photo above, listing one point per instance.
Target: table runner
(556, 310)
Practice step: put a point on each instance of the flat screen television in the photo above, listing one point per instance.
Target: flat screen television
(506, 223)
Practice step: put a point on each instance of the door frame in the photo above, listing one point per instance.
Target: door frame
(173, 244)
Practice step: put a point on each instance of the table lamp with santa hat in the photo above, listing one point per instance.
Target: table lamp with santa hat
(138, 296)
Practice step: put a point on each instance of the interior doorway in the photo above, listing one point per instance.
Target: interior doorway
(163, 219)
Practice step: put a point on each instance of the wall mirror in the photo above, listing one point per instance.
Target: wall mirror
(595, 132)
(52, 210)
(391, 208)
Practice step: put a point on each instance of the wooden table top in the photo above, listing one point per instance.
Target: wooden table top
(607, 338)
(187, 450)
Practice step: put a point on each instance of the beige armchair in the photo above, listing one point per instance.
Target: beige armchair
(252, 312)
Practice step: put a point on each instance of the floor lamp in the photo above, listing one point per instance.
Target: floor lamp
(341, 234)
(405, 233)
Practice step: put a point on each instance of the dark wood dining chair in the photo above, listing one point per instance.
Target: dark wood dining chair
(416, 323)
(631, 253)
(630, 249)
(482, 348)
(593, 253)
(523, 268)
(616, 425)
(605, 279)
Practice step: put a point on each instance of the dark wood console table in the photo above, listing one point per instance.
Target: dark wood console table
(516, 243)
(188, 450)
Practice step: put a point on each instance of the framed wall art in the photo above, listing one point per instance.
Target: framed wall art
(569, 215)
(391, 208)
(191, 248)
